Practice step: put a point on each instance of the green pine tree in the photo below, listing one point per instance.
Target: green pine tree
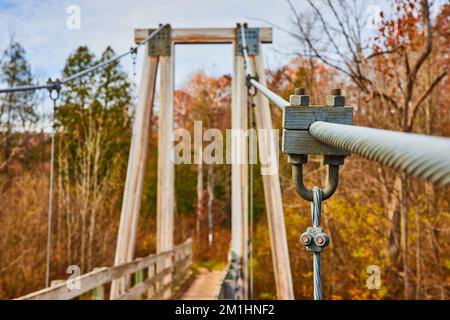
(17, 110)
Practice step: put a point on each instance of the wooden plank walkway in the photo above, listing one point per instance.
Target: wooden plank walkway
(205, 286)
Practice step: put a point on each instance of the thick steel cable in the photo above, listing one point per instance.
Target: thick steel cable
(55, 85)
(27, 88)
(272, 96)
(420, 155)
(316, 208)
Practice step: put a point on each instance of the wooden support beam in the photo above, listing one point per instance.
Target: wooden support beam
(131, 203)
(205, 35)
(272, 191)
(239, 169)
(166, 169)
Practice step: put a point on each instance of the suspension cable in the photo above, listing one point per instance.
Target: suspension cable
(251, 151)
(53, 86)
(316, 208)
(250, 105)
(252, 79)
(247, 66)
(54, 96)
(315, 240)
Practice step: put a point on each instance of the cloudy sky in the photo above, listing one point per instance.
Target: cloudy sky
(41, 27)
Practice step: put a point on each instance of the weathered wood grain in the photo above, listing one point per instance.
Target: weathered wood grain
(300, 142)
(205, 35)
(166, 170)
(135, 171)
(102, 276)
(300, 118)
(272, 190)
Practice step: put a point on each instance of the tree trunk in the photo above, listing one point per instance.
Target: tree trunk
(394, 217)
(199, 193)
(210, 203)
(404, 235)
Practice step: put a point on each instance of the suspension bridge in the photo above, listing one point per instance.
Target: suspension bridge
(326, 130)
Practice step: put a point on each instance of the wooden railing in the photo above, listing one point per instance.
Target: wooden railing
(154, 277)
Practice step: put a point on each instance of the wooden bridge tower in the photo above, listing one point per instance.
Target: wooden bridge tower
(161, 52)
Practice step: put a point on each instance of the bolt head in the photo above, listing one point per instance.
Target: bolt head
(299, 100)
(335, 101)
(321, 240)
(305, 238)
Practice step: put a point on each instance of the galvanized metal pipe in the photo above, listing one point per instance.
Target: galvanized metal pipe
(424, 156)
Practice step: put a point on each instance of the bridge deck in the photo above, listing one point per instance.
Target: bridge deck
(205, 286)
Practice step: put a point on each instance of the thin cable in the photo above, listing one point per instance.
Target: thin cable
(87, 71)
(316, 207)
(132, 51)
(247, 66)
(251, 189)
(50, 193)
(273, 97)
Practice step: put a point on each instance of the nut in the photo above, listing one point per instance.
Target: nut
(299, 98)
(305, 238)
(321, 240)
(335, 99)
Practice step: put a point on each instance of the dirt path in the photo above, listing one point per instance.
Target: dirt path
(205, 285)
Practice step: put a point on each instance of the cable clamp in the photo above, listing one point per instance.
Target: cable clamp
(54, 89)
(250, 86)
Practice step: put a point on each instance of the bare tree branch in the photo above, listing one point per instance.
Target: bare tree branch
(424, 96)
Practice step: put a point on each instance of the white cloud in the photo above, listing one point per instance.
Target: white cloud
(41, 27)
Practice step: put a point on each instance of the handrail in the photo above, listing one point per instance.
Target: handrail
(102, 276)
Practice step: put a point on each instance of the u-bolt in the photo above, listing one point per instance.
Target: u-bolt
(332, 183)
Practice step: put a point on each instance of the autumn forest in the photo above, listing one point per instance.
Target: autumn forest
(396, 77)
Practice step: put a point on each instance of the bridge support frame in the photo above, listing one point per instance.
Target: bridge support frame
(131, 202)
(166, 169)
(166, 189)
(239, 169)
(272, 189)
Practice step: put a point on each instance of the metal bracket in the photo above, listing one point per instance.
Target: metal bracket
(298, 143)
(252, 39)
(161, 44)
(296, 122)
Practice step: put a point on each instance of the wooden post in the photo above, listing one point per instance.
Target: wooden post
(138, 278)
(135, 172)
(272, 192)
(239, 170)
(151, 273)
(166, 174)
(98, 293)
